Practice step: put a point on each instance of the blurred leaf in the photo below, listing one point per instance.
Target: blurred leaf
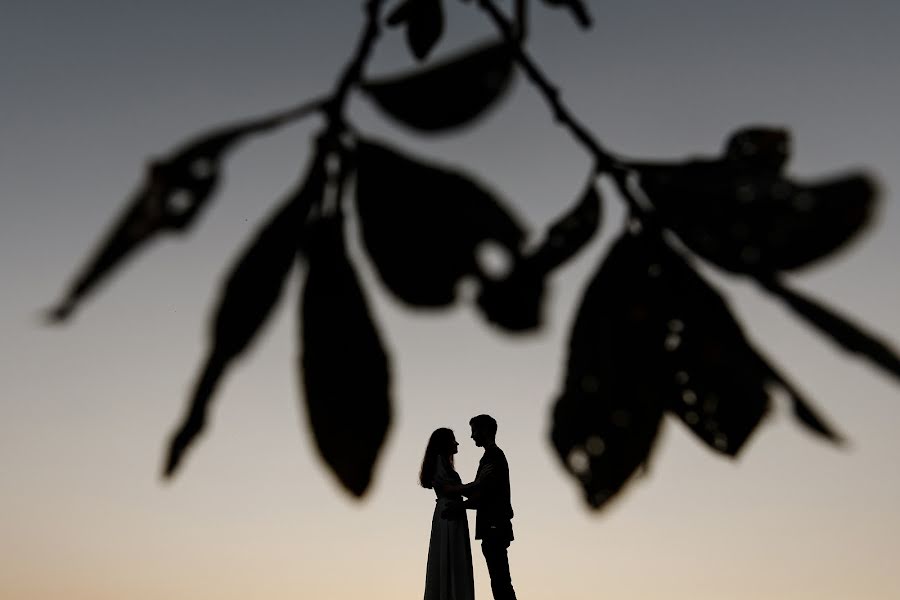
(845, 333)
(651, 335)
(759, 149)
(421, 224)
(803, 409)
(251, 290)
(345, 367)
(174, 191)
(515, 302)
(742, 215)
(449, 94)
(568, 235)
(577, 8)
(606, 419)
(424, 21)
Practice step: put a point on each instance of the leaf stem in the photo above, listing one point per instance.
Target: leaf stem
(334, 107)
(605, 161)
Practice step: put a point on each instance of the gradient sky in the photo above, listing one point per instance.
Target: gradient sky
(91, 89)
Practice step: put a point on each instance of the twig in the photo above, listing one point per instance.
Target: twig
(352, 73)
(605, 161)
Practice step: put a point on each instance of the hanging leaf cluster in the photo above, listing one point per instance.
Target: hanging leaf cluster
(651, 336)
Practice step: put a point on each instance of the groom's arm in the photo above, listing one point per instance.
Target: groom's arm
(475, 490)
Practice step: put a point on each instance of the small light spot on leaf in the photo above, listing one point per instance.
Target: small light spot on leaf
(691, 417)
(595, 445)
(494, 260)
(745, 194)
(202, 168)
(556, 240)
(682, 377)
(721, 441)
(590, 384)
(620, 418)
(332, 165)
(689, 397)
(179, 202)
(750, 254)
(781, 190)
(673, 340)
(467, 289)
(598, 498)
(579, 461)
(804, 201)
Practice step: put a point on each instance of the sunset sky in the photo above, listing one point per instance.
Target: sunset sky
(92, 89)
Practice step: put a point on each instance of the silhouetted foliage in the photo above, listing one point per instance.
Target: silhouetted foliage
(424, 20)
(251, 291)
(651, 335)
(422, 224)
(449, 94)
(346, 374)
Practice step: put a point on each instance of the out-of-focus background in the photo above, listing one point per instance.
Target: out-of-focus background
(91, 90)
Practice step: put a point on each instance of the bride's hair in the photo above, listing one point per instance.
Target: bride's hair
(438, 446)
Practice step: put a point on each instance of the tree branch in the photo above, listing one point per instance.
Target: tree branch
(353, 71)
(605, 161)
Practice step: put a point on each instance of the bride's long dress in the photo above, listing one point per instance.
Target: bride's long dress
(449, 572)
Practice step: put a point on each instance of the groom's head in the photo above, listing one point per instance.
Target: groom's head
(484, 430)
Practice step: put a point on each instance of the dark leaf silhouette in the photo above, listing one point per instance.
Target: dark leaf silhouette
(172, 194)
(421, 224)
(577, 7)
(515, 302)
(741, 214)
(424, 21)
(846, 334)
(571, 232)
(449, 94)
(803, 409)
(651, 335)
(759, 150)
(345, 367)
(609, 412)
(251, 290)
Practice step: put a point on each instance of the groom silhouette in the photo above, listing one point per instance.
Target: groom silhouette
(489, 496)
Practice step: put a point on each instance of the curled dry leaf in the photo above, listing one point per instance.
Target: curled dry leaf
(421, 224)
(249, 294)
(449, 94)
(345, 368)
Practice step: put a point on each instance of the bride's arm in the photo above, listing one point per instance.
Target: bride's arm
(467, 489)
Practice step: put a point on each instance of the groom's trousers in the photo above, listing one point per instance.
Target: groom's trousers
(494, 550)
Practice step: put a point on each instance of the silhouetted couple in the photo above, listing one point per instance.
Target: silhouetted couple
(449, 572)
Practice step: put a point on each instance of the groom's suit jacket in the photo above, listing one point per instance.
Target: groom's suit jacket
(494, 513)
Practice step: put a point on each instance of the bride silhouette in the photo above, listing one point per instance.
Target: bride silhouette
(449, 572)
